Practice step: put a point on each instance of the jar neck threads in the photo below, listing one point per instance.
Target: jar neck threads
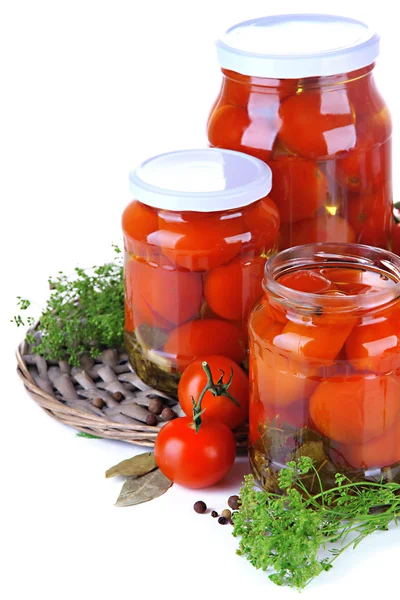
(265, 85)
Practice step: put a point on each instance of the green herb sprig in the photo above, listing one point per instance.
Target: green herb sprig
(291, 533)
(83, 314)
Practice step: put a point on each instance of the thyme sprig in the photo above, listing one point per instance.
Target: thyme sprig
(299, 535)
(83, 314)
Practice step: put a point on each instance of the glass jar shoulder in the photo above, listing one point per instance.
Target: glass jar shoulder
(313, 118)
(200, 241)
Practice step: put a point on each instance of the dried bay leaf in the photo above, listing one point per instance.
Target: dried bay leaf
(142, 489)
(135, 466)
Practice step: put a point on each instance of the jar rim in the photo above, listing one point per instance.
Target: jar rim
(340, 255)
(291, 46)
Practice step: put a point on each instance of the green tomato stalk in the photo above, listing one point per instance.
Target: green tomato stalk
(216, 388)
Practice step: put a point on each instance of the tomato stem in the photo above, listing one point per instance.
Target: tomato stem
(197, 412)
(217, 389)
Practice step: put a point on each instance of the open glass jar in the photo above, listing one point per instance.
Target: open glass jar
(298, 92)
(325, 364)
(196, 240)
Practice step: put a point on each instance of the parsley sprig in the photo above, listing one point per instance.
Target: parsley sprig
(299, 535)
(83, 314)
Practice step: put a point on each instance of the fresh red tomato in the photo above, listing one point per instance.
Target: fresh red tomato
(299, 188)
(324, 228)
(204, 337)
(161, 297)
(195, 460)
(371, 218)
(217, 407)
(316, 124)
(234, 128)
(355, 409)
(232, 289)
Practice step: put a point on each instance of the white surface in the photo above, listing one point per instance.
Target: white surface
(286, 46)
(89, 90)
(201, 180)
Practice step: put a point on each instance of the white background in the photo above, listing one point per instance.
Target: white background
(88, 90)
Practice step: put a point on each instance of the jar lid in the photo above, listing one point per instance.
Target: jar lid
(299, 45)
(206, 180)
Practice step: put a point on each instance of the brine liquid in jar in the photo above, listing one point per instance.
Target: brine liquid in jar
(325, 365)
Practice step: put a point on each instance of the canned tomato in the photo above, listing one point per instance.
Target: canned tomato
(196, 239)
(298, 92)
(325, 364)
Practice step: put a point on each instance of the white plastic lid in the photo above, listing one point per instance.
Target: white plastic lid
(294, 46)
(207, 180)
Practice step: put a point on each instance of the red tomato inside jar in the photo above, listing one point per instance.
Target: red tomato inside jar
(325, 381)
(196, 239)
(298, 92)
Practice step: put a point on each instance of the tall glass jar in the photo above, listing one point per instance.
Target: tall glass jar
(196, 239)
(325, 364)
(298, 92)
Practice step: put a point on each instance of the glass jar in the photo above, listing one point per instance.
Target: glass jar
(325, 364)
(298, 92)
(196, 240)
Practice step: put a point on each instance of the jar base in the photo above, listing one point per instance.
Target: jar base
(266, 468)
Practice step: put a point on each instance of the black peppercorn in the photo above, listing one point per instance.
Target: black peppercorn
(214, 514)
(98, 402)
(151, 420)
(118, 396)
(167, 414)
(156, 405)
(222, 521)
(233, 502)
(200, 506)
